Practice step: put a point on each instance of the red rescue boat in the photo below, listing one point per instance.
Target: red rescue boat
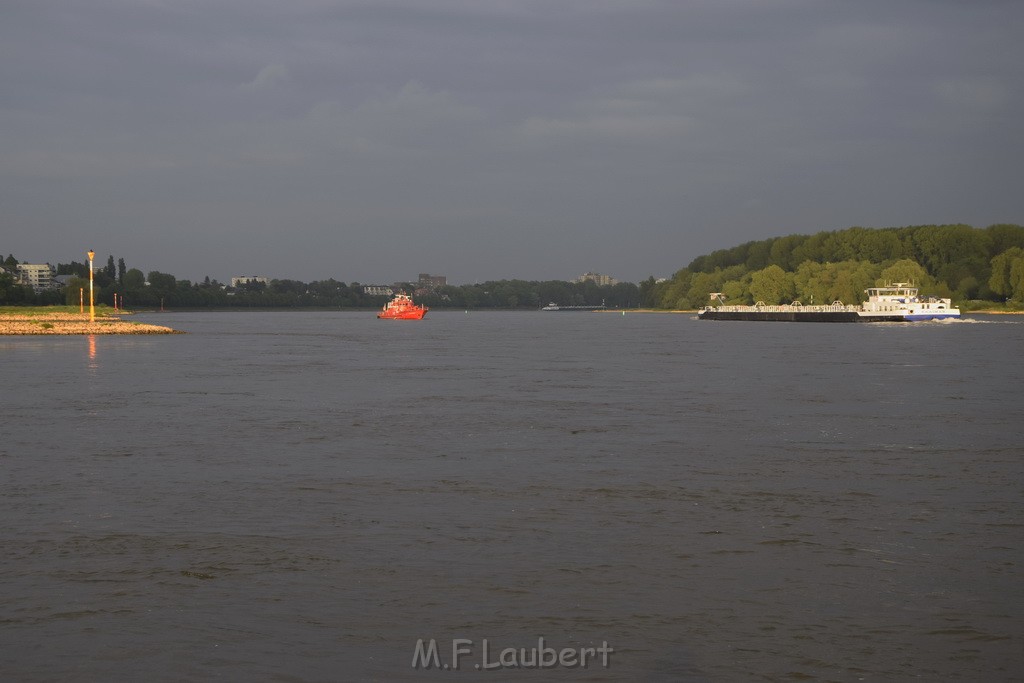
(402, 308)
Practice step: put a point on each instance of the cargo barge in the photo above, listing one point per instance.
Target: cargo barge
(556, 307)
(896, 303)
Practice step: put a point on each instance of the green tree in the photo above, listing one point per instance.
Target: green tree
(1017, 279)
(247, 287)
(758, 254)
(851, 279)
(772, 285)
(1003, 236)
(161, 282)
(811, 249)
(76, 290)
(133, 280)
(880, 245)
(555, 291)
(782, 251)
(940, 245)
(6, 283)
(647, 293)
(968, 289)
(737, 291)
(74, 268)
(292, 287)
(1005, 279)
(825, 283)
(938, 258)
(622, 295)
(14, 294)
(673, 292)
(700, 285)
(812, 283)
(905, 270)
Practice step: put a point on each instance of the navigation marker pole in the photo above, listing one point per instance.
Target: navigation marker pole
(92, 309)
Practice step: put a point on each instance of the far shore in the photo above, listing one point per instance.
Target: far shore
(695, 311)
(642, 310)
(963, 312)
(37, 321)
(67, 320)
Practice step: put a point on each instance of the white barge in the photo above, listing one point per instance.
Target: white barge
(896, 303)
(556, 307)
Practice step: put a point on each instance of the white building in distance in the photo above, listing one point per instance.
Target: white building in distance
(597, 278)
(39, 276)
(248, 280)
(428, 281)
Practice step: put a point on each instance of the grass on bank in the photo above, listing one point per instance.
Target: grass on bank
(43, 311)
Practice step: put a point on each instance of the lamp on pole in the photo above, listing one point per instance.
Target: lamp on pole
(92, 311)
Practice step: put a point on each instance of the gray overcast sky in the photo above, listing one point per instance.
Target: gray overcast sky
(486, 139)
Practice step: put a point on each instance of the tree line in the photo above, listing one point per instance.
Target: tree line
(975, 267)
(155, 289)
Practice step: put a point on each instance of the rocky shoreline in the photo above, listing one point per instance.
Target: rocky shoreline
(74, 324)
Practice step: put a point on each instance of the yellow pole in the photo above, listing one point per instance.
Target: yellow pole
(81, 301)
(92, 310)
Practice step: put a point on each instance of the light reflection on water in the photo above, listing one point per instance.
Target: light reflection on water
(306, 494)
(93, 365)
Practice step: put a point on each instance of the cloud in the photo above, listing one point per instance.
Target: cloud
(656, 110)
(410, 119)
(267, 78)
(519, 123)
(980, 94)
(609, 128)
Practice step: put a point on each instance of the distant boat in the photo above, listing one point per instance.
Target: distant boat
(897, 303)
(402, 308)
(555, 307)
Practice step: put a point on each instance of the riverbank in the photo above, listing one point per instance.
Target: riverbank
(40, 321)
(964, 312)
(645, 310)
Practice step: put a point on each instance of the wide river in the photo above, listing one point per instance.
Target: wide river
(322, 496)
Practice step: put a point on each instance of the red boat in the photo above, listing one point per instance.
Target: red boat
(402, 308)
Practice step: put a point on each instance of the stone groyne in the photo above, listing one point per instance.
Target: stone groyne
(73, 323)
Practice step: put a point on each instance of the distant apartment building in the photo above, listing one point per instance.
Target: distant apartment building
(597, 278)
(243, 280)
(427, 281)
(38, 276)
(378, 290)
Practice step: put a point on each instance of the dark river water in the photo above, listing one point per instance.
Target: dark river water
(325, 497)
